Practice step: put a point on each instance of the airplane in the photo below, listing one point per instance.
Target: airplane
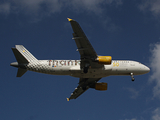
(89, 69)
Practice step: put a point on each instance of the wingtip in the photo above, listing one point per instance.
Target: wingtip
(67, 99)
(69, 19)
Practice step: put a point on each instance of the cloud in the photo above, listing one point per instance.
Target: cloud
(37, 6)
(96, 6)
(156, 114)
(151, 5)
(155, 67)
(131, 119)
(47, 7)
(5, 8)
(134, 93)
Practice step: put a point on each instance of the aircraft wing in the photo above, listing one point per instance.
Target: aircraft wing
(87, 52)
(84, 84)
(83, 45)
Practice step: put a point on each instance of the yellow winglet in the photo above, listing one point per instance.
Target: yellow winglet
(69, 19)
(67, 99)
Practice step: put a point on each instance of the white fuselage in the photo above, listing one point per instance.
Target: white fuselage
(72, 68)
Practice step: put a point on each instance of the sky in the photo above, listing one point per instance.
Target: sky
(123, 29)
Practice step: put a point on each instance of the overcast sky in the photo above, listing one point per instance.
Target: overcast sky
(124, 29)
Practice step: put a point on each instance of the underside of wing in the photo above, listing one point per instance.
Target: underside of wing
(87, 52)
(83, 45)
(84, 84)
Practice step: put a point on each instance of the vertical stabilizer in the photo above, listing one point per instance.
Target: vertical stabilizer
(23, 57)
(25, 53)
(19, 57)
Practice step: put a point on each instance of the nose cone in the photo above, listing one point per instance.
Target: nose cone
(146, 69)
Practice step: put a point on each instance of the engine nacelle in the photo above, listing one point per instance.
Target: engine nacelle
(101, 86)
(106, 60)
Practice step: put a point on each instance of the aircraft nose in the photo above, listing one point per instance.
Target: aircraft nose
(146, 69)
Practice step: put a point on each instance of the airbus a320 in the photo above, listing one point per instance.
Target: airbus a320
(89, 69)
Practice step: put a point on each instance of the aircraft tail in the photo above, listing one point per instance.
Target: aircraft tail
(21, 72)
(23, 56)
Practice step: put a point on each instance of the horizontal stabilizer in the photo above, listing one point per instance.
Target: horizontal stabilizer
(21, 72)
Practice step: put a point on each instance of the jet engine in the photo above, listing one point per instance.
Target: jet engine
(101, 86)
(106, 60)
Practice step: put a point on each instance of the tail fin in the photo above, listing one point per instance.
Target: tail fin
(22, 54)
